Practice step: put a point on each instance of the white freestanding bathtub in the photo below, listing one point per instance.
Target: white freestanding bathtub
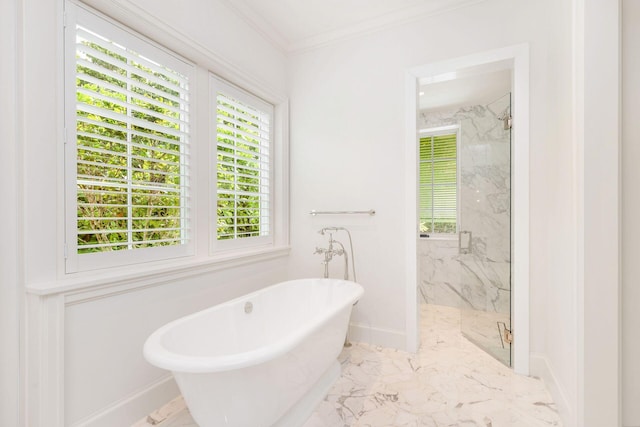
(264, 359)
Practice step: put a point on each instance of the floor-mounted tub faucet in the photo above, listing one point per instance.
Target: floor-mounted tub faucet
(328, 256)
(331, 251)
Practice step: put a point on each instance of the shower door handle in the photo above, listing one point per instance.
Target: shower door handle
(464, 242)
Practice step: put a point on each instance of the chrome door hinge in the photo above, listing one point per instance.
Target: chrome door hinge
(506, 335)
(507, 120)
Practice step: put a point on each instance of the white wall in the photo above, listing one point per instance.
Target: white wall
(630, 213)
(11, 285)
(347, 118)
(553, 227)
(85, 359)
(104, 370)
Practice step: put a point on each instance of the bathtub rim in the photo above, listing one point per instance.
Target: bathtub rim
(156, 354)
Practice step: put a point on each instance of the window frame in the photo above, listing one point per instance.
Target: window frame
(205, 63)
(107, 27)
(216, 85)
(439, 131)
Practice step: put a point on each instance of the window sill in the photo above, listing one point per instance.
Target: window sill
(81, 286)
(453, 237)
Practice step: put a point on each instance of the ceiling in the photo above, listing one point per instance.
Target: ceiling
(294, 25)
(298, 25)
(465, 90)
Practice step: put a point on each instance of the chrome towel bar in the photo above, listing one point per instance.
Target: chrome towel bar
(369, 212)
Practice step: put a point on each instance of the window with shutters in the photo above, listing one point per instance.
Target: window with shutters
(127, 146)
(244, 182)
(438, 186)
(136, 134)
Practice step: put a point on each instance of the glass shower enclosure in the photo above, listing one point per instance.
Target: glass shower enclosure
(484, 227)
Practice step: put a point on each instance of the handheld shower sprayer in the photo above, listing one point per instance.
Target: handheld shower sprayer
(326, 229)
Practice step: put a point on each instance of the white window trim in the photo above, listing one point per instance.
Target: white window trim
(437, 131)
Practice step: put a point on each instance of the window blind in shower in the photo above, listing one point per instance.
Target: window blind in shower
(438, 183)
(244, 131)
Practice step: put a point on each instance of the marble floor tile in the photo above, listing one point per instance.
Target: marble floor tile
(449, 382)
(165, 416)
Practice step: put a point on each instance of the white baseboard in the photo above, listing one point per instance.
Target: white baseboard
(377, 336)
(539, 367)
(127, 411)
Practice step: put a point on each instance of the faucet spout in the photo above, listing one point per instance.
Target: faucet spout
(339, 250)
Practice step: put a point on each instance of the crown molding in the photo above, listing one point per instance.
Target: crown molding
(379, 23)
(259, 24)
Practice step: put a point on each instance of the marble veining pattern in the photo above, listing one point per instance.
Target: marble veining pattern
(449, 382)
(481, 280)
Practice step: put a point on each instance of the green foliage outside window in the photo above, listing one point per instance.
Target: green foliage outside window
(130, 157)
(242, 171)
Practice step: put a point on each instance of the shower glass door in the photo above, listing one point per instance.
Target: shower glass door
(484, 168)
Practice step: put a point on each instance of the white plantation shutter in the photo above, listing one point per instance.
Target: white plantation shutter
(127, 146)
(244, 129)
(438, 183)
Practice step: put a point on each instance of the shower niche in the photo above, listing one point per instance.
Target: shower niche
(469, 267)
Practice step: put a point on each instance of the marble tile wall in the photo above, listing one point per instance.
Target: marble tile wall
(479, 280)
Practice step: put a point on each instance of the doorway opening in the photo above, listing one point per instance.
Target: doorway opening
(467, 219)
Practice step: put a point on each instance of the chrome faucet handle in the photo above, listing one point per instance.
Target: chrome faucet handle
(320, 250)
